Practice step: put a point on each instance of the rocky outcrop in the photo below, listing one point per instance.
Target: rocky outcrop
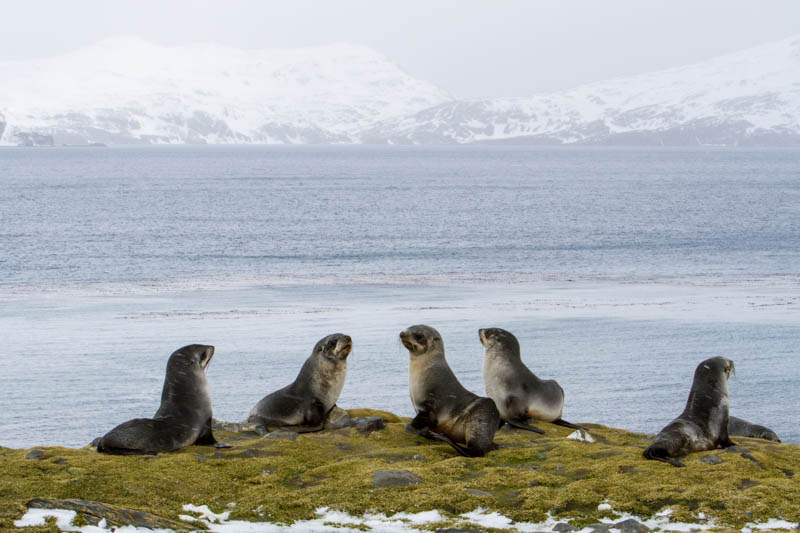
(94, 512)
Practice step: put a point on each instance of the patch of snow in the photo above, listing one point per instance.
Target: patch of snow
(581, 436)
(772, 523)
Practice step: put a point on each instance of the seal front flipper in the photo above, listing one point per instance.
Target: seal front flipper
(562, 422)
(522, 425)
(206, 437)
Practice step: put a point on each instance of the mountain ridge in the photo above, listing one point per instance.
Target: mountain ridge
(128, 91)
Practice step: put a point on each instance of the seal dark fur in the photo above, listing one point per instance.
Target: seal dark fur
(184, 417)
(742, 428)
(304, 404)
(703, 425)
(520, 396)
(446, 411)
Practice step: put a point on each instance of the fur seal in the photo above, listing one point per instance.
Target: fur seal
(742, 428)
(446, 411)
(305, 403)
(703, 424)
(184, 417)
(517, 392)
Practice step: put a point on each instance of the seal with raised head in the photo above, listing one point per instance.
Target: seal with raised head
(303, 406)
(446, 411)
(742, 428)
(184, 417)
(703, 424)
(519, 395)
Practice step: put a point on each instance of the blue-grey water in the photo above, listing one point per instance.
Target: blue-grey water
(618, 269)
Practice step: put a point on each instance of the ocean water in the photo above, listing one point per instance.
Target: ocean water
(619, 270)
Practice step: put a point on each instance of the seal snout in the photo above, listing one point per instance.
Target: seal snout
(343, 347)
(206, 356)
(482, 336)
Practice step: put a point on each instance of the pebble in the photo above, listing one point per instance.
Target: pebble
(394, 478)
(711, 459)
(476, 492)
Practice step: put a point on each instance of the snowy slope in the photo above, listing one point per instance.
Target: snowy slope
(125, 90)
(749, 97)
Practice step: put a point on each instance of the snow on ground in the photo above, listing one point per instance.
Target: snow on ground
(329, 520)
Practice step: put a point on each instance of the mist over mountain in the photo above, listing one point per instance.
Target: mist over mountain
(127, 91)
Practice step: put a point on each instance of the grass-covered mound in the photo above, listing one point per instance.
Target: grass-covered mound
(280, 480)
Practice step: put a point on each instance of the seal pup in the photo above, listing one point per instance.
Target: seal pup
(446, 411)
(703, 424)
(517, 392)
(742, 428)
(184, 417)
(305, 403)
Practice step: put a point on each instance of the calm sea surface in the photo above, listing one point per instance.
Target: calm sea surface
(619, 270)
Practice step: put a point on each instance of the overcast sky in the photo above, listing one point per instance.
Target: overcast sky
(471, 49)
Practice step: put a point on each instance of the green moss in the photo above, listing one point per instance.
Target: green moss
(283, 481)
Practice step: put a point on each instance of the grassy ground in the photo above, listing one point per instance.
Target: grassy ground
(282, 481)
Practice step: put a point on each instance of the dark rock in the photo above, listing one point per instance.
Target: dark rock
(628, 469)
(35, 454)
(201, 459)
(369, 424)
(787, 473)
(483, 494)
(736, 449)
(113, 515)
(95, 442)
(563, 526)
(533, 483)
(417, 457)
(222, 445)
(711, 459)
(559, 469)
(599, 528)
(756, 461)
(394, 478)
(748, 484)
(280, 434)
(338, 418)
(748, 514)
(631, 525)
(61, 461)
(541, 455)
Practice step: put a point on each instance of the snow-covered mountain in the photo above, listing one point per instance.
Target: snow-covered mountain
(125, 90)
(747, 98)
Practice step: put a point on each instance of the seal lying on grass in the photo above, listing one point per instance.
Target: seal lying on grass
(184, 417)
(446, 411)
(703, 425)
(303, 406)
(517, 392)
(742, 428)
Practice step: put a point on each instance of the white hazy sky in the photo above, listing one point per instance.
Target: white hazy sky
(469, 48)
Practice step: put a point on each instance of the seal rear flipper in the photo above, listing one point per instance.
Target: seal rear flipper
(650, 454)
(457, 447)
(562, 422)
(522, 425)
